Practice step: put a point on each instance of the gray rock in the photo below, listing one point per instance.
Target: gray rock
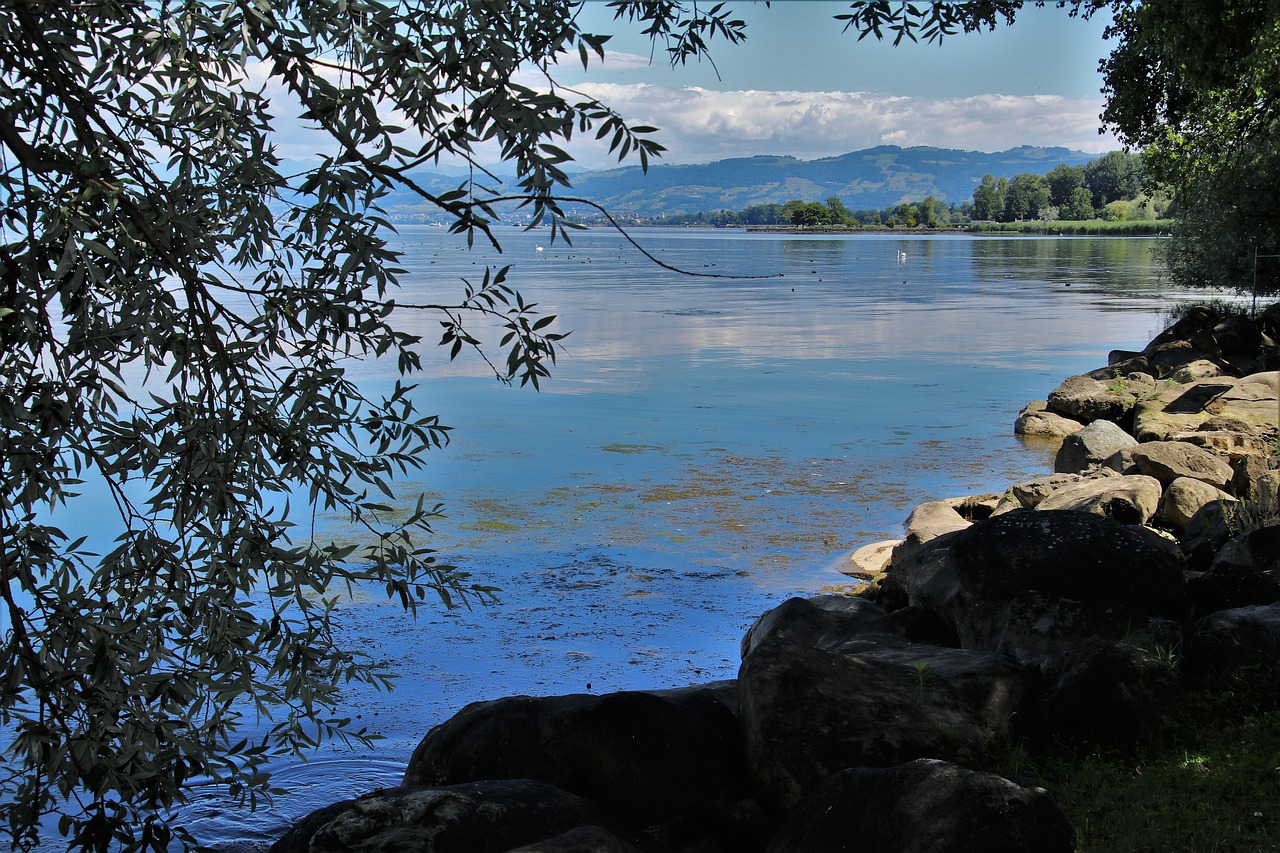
(1169, 460)
(1194, 371)
(926, 522)
(1257, 549)
(584, 839)
(1105, 693)
(825, 621)
(1130, 499)
(1037, 419)
(480, 817)
(649, 758)
(1091, 446)
(1183, 499)
(1033, 626)
(808, 712)
(1029, 493)
(1252, 402)
(1067, 554)
(1087, 399)
(1227, 586)
(922, 806)
(1207, 531)
(1229, 641)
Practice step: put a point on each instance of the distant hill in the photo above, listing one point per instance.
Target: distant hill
(870, 179)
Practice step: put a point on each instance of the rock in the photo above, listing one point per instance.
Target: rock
(1104, 693)
(1247, 472)
(479, 817)
(1184, 498)
(924, 805)
(648, 758)
(1036, 419)
(1194, 371)
(1169, 460)
(1229, 641)
(1175, 357)
(1257, 549)
(1131, 499)
(1074, 555)
(584, 839)
(1091, 446)
(1086, 399)
(1206, 532)
(825, 621)
(1229, 585)
(1033, 626)
(871, 559)
(808, 712)
(927, 521)
(1029, 493)
(1252, 402)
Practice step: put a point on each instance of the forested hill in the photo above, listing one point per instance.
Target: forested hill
(876, 177)
(873, 178)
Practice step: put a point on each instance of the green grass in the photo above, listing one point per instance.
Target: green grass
(1083, 228)
(1210, 783)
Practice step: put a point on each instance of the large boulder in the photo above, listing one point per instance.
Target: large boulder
(1130, 499)
(1037, 419)
(808, 712)
(922, 806)
(1086, 399)
(1074, 555)
(647, 757)
(824, 621)
(1169, 460)
(1033, 626)
(1250, 403)
(1028, 493)
(478, 817)
(1184, 498)
(1091, 446)
(1105, 693)
(1256, 549)
(934, 518)
(1229, 641)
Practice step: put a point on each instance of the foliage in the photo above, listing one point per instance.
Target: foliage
(1209, 783)
(178, 314)
(1207, 112)
(1076, 228)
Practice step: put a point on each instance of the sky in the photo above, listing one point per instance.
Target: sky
(800, 86)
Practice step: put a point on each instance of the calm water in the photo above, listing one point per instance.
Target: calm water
(706, 448)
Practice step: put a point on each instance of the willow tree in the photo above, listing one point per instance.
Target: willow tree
(178, 313)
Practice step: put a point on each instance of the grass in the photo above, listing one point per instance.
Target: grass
(1083, 228)
(1210, 783)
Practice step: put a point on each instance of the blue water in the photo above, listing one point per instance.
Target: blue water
(705, 448)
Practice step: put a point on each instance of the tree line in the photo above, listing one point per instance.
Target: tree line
(1113, 188)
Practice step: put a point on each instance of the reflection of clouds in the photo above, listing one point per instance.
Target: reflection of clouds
(847, 303)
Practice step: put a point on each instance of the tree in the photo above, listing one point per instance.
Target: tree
(177, 315)
(1114, 176)
(838, 213)
(988, 199)
(1207, 113)
(1063, 181)
(1079, 206)
(1027, 197)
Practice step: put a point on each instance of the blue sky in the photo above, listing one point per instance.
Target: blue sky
(800, 86)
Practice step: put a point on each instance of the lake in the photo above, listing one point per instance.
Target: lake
(706, 448)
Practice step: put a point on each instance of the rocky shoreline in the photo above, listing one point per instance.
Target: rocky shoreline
(1078, 606)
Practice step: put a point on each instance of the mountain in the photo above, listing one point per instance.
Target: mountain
(874, 178)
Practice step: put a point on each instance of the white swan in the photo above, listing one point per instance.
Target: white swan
(902, 256)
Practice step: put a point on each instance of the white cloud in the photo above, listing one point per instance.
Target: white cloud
(700, 125)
